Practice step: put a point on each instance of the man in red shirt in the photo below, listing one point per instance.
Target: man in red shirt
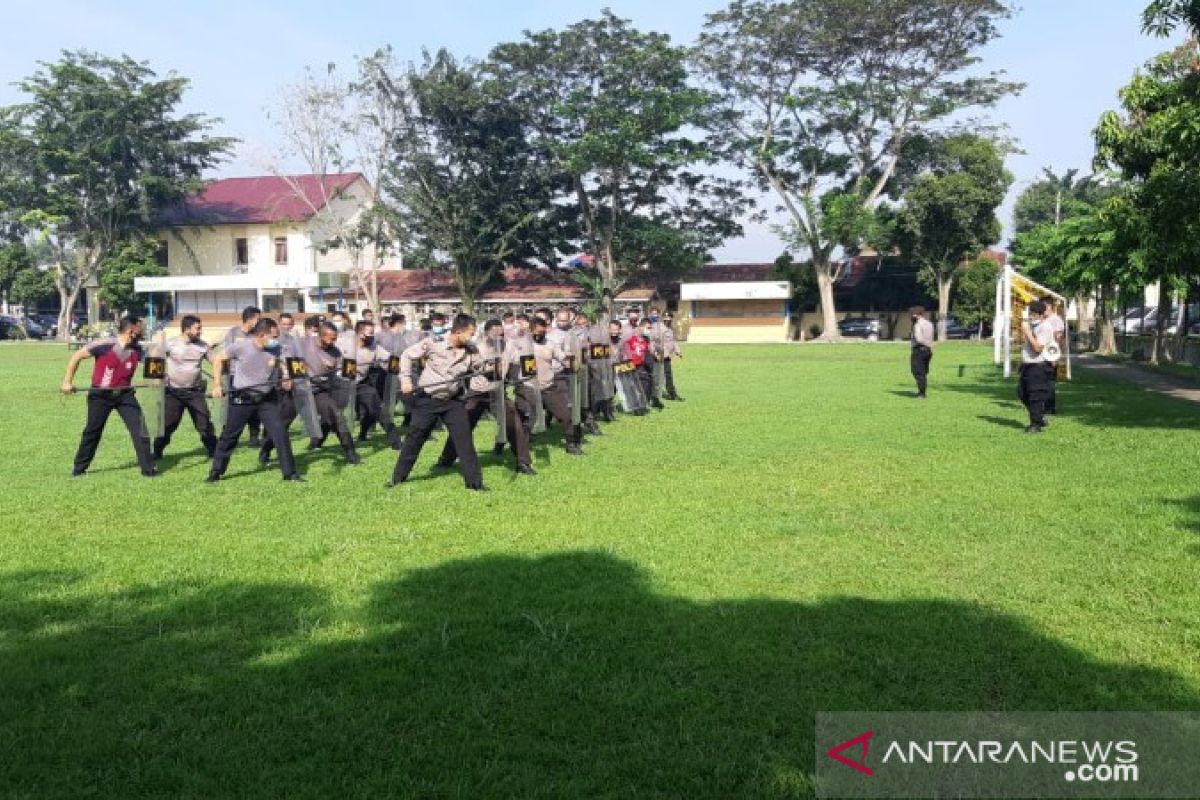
(117, 360)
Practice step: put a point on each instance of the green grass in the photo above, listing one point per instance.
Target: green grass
(660, 619)
(1173, 370)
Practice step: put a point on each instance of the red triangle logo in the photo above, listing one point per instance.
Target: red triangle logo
(862, 740)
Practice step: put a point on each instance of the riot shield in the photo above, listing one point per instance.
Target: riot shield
(152, 398)
(573, 403)
(302, 398)
(629, 389)
(585, 385)
(602, 377)
(345, 391)
(499, 413)
(660, 377)
(220, 405)
(527, 384)
(391, 388)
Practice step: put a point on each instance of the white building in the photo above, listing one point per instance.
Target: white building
(261, 241)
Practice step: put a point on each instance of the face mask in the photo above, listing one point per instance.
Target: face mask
(439, 330)
(564, 326)
(539, 337)
(341, 326)
(368, 341)
(616, 337)
(193, 339)
(653, 318)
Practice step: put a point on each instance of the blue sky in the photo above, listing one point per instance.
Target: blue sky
(1073, 54)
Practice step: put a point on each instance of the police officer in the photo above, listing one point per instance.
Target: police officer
(372, 369)
(922, 348)
(553, 381)
(255, 392)
(288, 347)
(671, 351)
(111, 390)
(1059, 327)
(586, 334)
(185, 355)
(1034, 387)
(503, 356)
(439, 395)
(237, 333)
(324, 361)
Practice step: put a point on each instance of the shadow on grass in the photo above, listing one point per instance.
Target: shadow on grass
(1091, 402)
(561, 676)
(1004, 422)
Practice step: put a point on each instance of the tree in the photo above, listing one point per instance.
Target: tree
(14, 261)
(133, 259)
(1056, 197)
(33, 288)
(803, 281)
(975, 296)
(1162, 17)
(335, 126)
(613, 106)
(1155, 143)
(818, 99)
(99, 150)
(466, 179)
(949, 214)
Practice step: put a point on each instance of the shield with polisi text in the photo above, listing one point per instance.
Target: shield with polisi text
(345, 390)
(629, 389)
(152, 397)
(391, 387)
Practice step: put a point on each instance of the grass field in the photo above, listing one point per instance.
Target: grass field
(660, 619)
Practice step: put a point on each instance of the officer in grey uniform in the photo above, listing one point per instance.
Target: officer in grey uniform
(289, 347)
(553, 377)
(1034, 388)
(324, 360)
(922, 348)
(185, 389)
(255, 390)
(372, 369)
(439, 394)
(250, 316)
(671, 351)
(504, 355)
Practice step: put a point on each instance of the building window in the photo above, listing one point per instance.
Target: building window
(160, 254)
(241, 252)
(281, 250)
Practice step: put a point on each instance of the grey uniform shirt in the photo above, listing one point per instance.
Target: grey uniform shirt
(443, 364)
(321, 363)
(550, 357)
(1043, 332)
(257, 368)
(368, 357)
(922, 333)
(184, 359)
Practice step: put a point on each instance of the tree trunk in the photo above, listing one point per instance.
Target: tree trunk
(945, 284)
(1106, 329)
(1083, 324)
(1157, 348)
(829, 328)
(67, 300)
(1179, 343)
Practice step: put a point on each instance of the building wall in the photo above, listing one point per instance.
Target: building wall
(734, 321)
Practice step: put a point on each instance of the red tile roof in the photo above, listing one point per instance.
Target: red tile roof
(267, 199)
(515, 284)
(733, 273)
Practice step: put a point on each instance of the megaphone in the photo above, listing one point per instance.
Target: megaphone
(1052, 352)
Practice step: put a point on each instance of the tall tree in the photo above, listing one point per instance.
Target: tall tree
(334, 125)
(949, 214)
(98, 150)
(132, 260)
(975, 295)
(818, 100)
(1055, 198)
(467, 180)
(1155, 142)
(615, 109)
(14, 260)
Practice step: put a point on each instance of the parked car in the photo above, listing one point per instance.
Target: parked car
(956, 331)
(47, 321)
(34, 329)
(861, 328)
(1135, 320)
(8, 325)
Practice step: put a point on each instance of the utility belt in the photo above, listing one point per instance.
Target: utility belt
(253, 397)
(114, 392)
(921, 348)
(456, 393)
(200, 387)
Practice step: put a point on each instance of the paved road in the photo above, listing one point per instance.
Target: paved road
(1172, 385)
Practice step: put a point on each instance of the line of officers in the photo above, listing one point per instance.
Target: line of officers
(559, 367)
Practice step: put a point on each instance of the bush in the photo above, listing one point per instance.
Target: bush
(814, 331)
(16, 333)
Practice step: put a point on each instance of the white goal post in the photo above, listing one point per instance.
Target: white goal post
(1014, 293)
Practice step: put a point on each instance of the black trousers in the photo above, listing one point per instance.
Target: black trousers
(101, 403)
(1033, 390)
(557, 402)
(669, 378)
(1052, 401)
(239, 417)
(191, 400)
(332, 419)
(516, 425)
(287, 415)
(919, 361)
(427, 412)
(645, 375)
(369, 407)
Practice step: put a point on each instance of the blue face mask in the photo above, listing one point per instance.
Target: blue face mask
(272, 346)
(439, 330)
(653, 318)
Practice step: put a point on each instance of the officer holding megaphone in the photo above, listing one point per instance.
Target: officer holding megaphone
(1039, 359)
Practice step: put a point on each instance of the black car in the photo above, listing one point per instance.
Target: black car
(956, 331)
(34, 329)
(47, 321)
(861, 328)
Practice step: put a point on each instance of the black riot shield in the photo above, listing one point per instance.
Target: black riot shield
(585, 383)
(528, 386)
(571, 367)
(629, 388)
(602, 377)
